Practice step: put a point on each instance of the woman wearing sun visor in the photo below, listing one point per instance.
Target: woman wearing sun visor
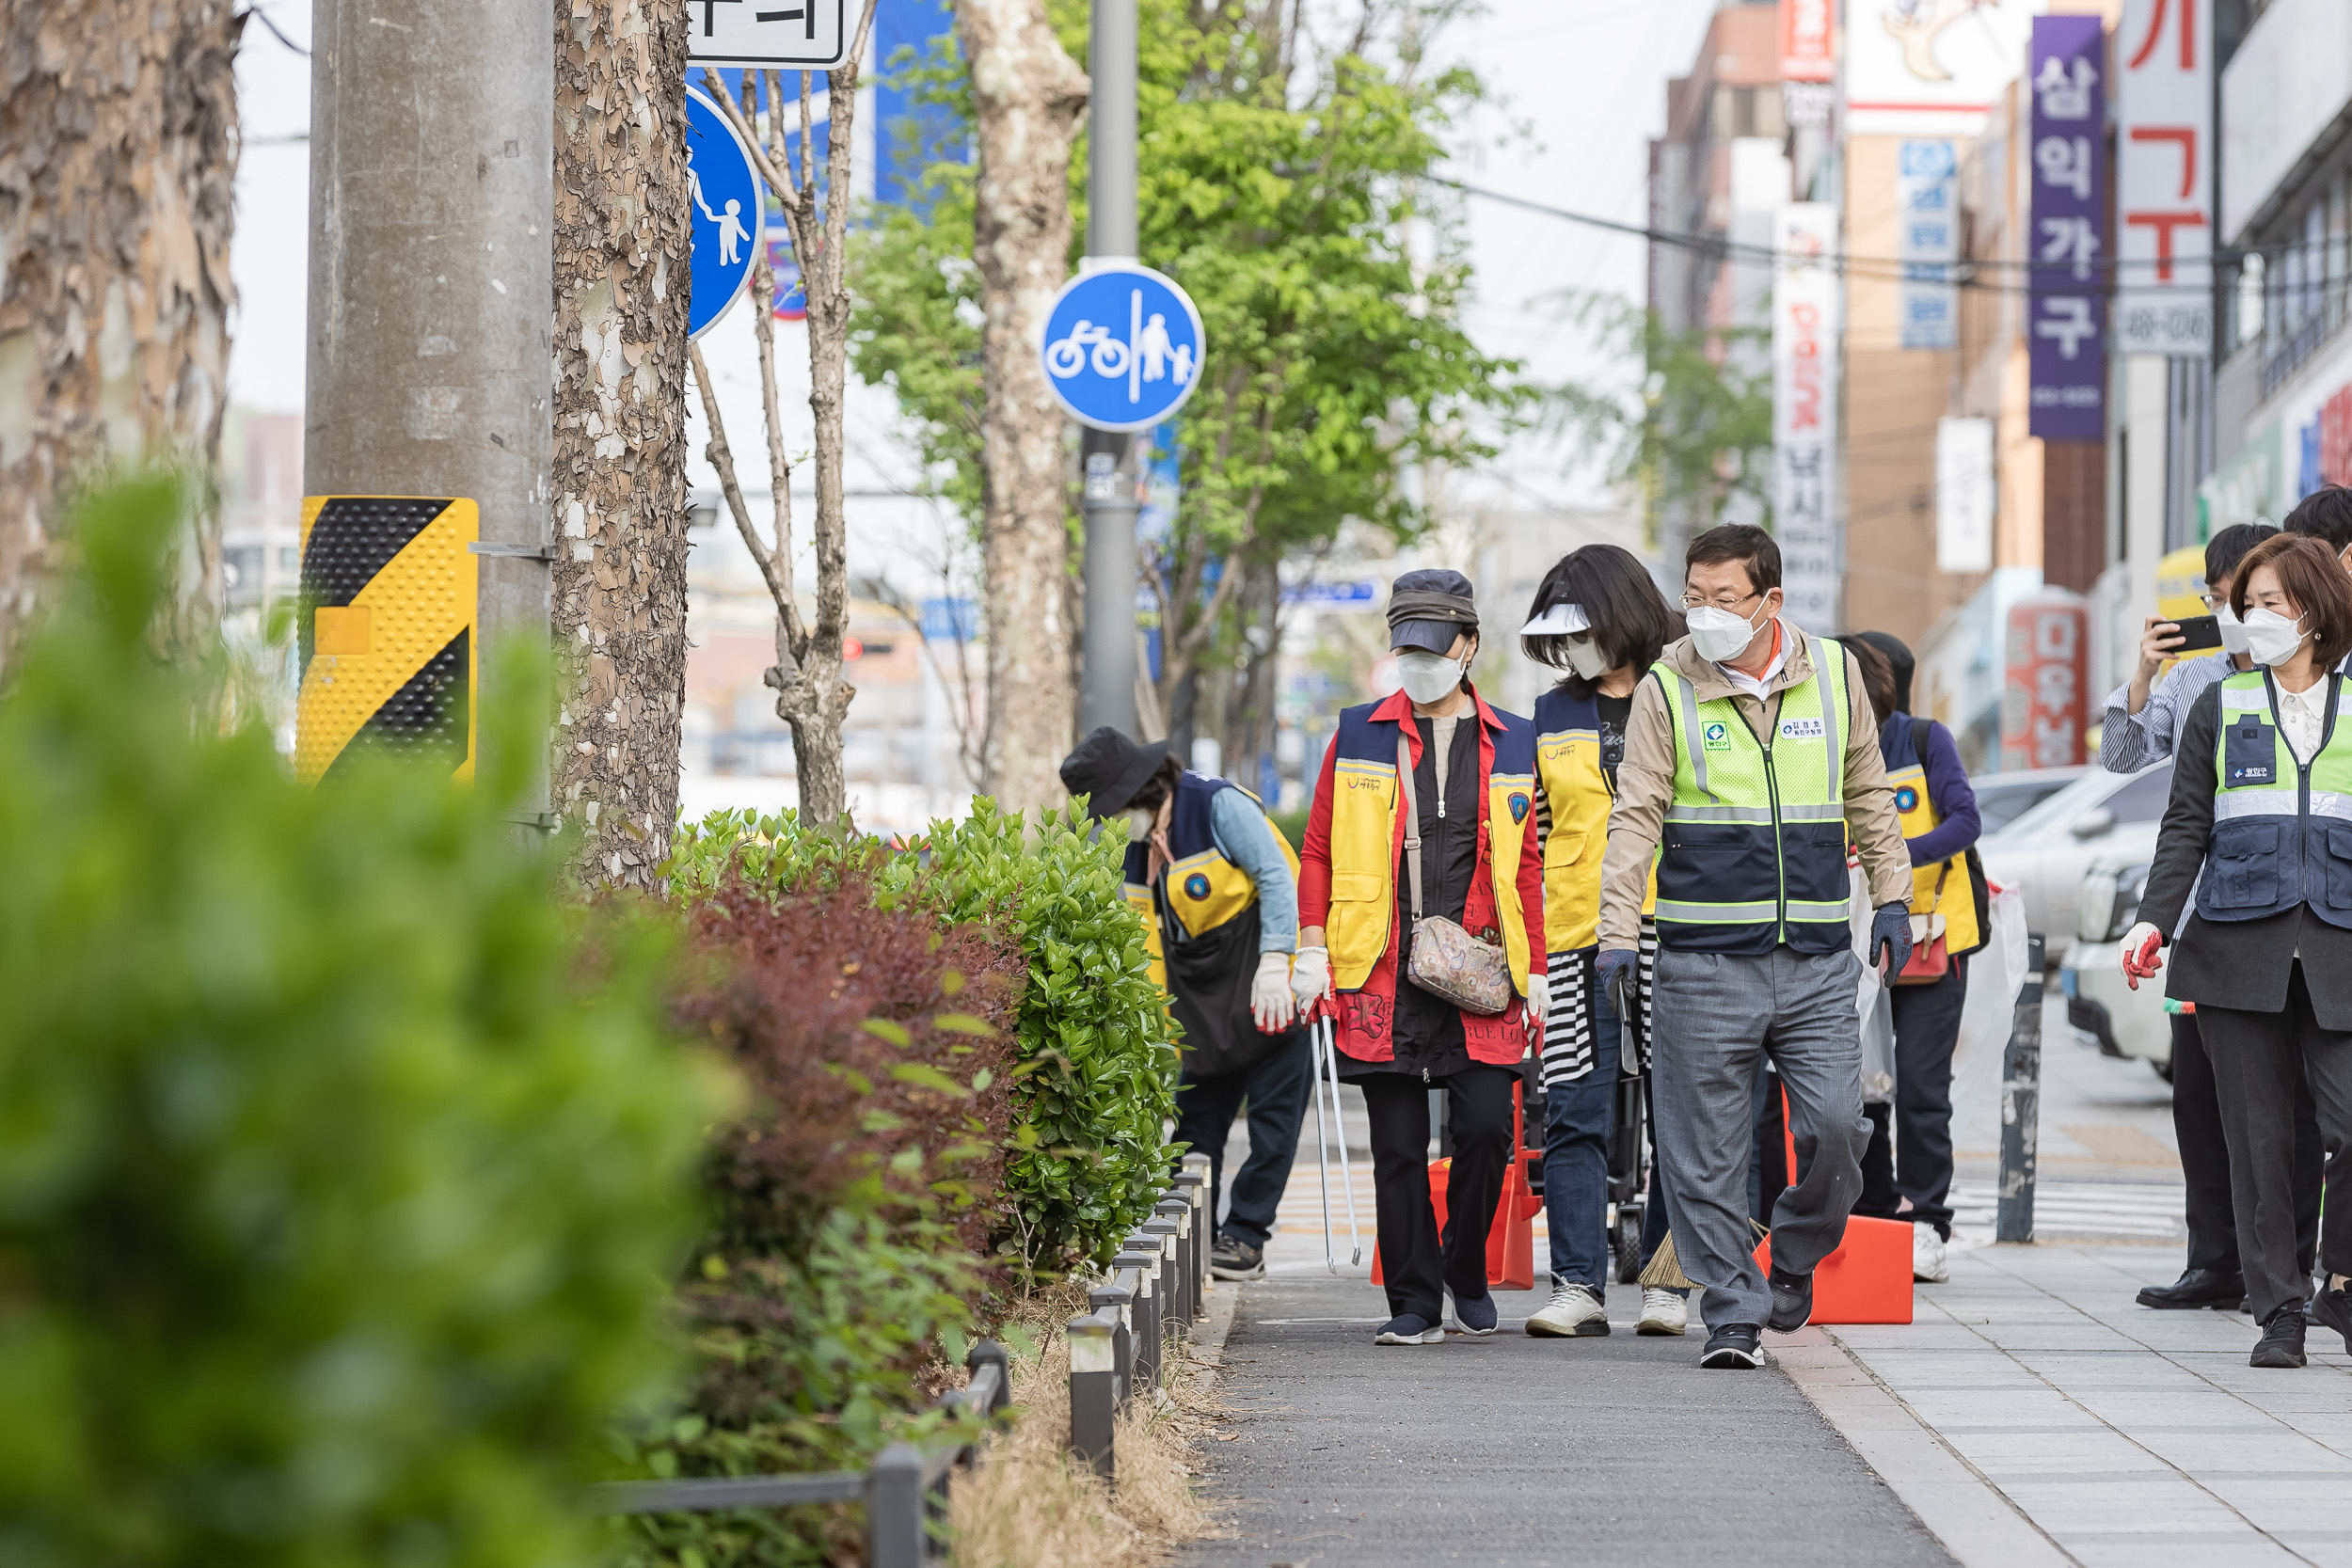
(1216, 885)
(1599, 620)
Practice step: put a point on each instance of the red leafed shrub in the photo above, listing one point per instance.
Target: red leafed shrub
(865, 1035)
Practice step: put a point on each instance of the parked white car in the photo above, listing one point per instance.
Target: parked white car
(2102, 1010)
(2045, 850)
(2002, 798)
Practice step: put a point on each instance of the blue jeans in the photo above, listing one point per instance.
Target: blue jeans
(1578, 1119)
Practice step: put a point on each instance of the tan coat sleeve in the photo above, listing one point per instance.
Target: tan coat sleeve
(1645, 786)
(1871, 820)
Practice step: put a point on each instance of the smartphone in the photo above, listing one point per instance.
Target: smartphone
(2201, 632)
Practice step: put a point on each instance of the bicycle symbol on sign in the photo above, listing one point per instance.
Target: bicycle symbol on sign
(1146, 356)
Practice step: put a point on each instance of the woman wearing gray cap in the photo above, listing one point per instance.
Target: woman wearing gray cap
(1421, 904)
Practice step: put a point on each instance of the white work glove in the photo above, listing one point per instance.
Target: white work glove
(1270, 1004)
(1310, 975)
(2140, 962)
(1538, 1008)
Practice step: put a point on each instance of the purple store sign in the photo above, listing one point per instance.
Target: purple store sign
(2067, 339)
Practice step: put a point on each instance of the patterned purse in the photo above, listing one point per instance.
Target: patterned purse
(1447, 960)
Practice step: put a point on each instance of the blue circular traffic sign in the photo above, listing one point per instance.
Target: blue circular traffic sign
(1122, 347)
(730, 217)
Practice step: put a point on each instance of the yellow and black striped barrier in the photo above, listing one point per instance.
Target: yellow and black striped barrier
(388, 632)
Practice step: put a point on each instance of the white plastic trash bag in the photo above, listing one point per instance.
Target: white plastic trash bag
(1995, 970)
(1871, 1002)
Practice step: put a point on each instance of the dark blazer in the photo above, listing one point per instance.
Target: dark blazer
(2233, 963)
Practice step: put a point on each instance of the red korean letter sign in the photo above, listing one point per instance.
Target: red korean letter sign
(2165, 159)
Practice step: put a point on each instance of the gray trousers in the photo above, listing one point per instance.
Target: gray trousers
(1717, 1017)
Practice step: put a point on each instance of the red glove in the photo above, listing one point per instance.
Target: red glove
(2140, 958)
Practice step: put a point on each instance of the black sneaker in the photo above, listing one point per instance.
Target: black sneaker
(2281, 1344)
(1231, 1258)
(1792, 1302)
(2333, 1310)
(1733, 1345)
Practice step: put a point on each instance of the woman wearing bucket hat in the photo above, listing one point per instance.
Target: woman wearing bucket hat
(1601, 620)
(1422, 869)
(1216, 885)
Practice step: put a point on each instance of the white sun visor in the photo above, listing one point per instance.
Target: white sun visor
(1561, 620)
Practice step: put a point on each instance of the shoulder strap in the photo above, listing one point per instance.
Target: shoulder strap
(1412, 813)
(1911, 739)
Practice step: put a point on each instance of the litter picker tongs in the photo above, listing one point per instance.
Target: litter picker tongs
(1321, 1031)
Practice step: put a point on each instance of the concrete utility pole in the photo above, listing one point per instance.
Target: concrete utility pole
(1107, 663)
(432, 198)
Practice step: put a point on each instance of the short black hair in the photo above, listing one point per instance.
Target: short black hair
(2325, 515)
(1631, 622)
(1739, 542)
(2225, 549)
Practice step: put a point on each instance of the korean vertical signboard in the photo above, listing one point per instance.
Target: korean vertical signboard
(2066, 346)
(1804, 410)
(2044, 691)
(1808, 59)
(2165, 157)
(1927, 196)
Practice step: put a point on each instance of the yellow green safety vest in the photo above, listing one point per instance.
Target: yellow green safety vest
(1753, 852)
(2281, 830)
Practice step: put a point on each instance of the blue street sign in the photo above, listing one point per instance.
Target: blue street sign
(729, 218)
(1122, 347)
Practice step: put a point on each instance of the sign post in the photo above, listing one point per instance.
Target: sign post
(729, 212)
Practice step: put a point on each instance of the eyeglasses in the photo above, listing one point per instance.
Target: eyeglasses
(2214, 602)
(1732, 603)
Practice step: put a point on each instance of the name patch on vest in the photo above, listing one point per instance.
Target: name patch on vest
(1802, 729)
(1716, 736)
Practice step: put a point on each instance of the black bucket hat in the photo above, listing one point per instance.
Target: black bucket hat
(1429, 608)
(1108, 768)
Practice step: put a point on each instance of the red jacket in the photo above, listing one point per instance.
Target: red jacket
(1364, 1015)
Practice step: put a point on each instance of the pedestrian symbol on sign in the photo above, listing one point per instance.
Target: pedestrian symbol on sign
(724, 185)
(1122, 347)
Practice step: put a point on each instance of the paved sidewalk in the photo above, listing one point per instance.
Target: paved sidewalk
(1530, 1453)
(2032, 1414)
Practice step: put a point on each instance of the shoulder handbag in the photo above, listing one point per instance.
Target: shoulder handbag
(1447, 962)
(1928, 961)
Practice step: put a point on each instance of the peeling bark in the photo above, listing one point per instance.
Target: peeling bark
(1029, 98)
(117, 168)
(621, 275)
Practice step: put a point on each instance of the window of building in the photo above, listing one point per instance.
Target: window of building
(1743, 112)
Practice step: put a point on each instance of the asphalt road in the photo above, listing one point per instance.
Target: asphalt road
(1523, 1452)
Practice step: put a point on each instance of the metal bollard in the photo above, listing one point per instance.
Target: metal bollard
(2021, 1104)
(1179, 1207)
(1193, 1186)
(895, 1530)
(1093, 1391)
(1144, 1261)
(1167, 1289)
(1114, 1301)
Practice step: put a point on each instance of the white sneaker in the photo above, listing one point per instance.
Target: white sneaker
(1574, 1312)
(1662, 1311)
(1927, 1255)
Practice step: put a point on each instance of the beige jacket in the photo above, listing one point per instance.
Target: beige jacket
(1646, 784)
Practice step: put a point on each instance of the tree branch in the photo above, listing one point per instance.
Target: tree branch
(786, 194)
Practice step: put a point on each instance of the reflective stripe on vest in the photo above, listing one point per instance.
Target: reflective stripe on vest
(1753, 849)
(2281, 830)
(1364, 839)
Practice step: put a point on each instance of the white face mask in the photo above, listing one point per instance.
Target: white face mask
(2233, 630)
(1720, 634)
(1586, 660)
(1426, 676)
(2271, 637)
(1140, 823)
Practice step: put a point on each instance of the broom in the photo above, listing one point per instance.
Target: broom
(1664, 1271)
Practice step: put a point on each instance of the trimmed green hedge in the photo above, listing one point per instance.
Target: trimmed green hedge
(343, 1163)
